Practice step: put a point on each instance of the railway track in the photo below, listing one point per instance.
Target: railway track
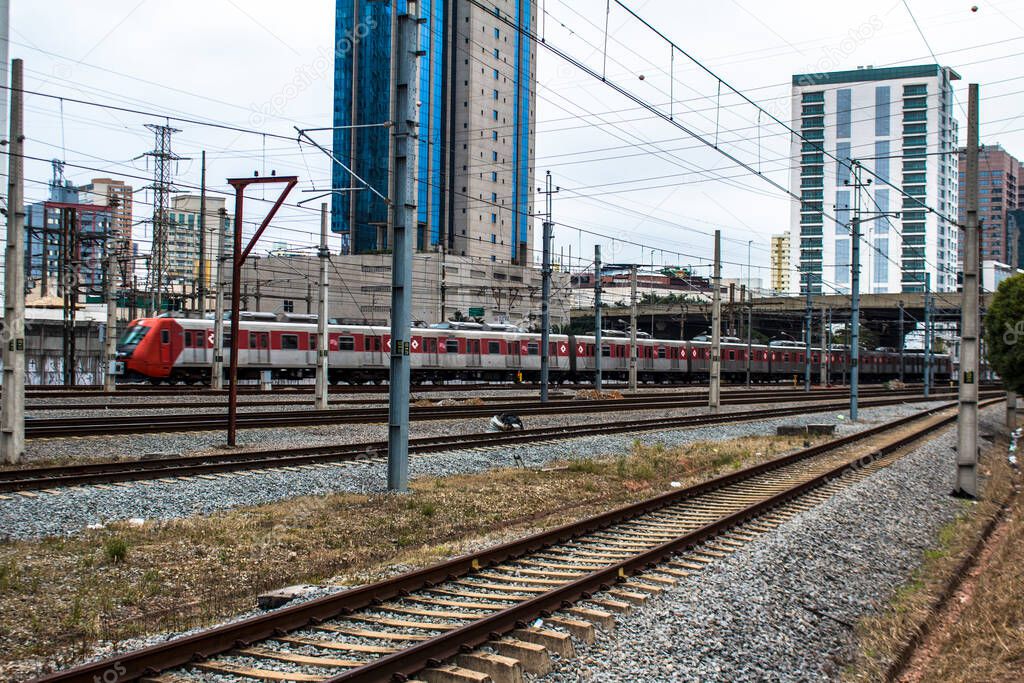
(257, 401)
(62, 427)
(39, 478)
(569, 578)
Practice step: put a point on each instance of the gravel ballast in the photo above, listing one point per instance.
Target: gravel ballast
(783, 607)
(68, 511)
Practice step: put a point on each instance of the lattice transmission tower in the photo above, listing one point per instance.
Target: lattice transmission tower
(162, 187)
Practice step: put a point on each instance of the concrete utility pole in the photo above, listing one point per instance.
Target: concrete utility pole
(714, 391)
(901, 340)
(12, 415)
(323, 346)
(927, 335)
(823, 357)
(545, 306)
(5, 18)
(217, 368)
(632, 328)
(202, 239)
(808, 322)
(854, 294)
(402, 221)
(750, 341)
(597, 317)
(967, 421)
(110, 340)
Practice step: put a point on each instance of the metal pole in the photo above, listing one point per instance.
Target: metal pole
(110, 341)
(597, 317)
(12, 404)
(632, 328)
(322, 342)
(545, 310)
(927, 336)
(750, 346)
(714, 393)
(402, 217)
(202, 239)
(823, 356)
(808, 322)
(901, 340)
(236, 296)
(854, 294)
(967, 422)
(217, 369)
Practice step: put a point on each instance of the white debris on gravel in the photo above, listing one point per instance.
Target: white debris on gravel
(74, 509)
(783, 607)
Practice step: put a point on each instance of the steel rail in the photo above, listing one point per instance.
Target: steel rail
(38, 478)
(154, 659)
(192, 422)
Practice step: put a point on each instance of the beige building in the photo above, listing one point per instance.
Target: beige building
(116, 194)
(360, 289)
(780, 263)
(492, 157)
(183, 238)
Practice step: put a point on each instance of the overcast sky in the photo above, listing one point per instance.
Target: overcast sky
(625, 174)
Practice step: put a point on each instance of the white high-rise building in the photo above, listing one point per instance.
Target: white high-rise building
(898, 124)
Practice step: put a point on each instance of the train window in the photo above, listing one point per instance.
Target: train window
(312, 342)
(289, 342)
(165, 336)
(188, 338)
(552, 349)
(732, 355)
(366, 344)
(494, 347)
(252, 340)
(452, 346)
(227, 341)
(785, 357)
(661, 352)
(606, 351)
(532, 348)
(346, 344)
(430, 344)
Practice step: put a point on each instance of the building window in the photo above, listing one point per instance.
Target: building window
(496, 53)
(494, 135)
(883, 109)
(882, 160)
(842, 262)
(843, 113)
(494, 239)
(288, 306)
(494, 156)
(497, 33)
(494, 113)
(494, 176)
(494, 219)
(843, 162)
(495, 94)
(494, 197)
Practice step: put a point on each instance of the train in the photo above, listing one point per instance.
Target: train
(174, 350)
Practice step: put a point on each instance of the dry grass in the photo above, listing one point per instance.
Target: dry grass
(59, 596)
(883, 636)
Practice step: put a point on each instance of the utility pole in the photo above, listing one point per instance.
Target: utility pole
(202, 240)
(967, 420)
(808, 322)
(323, 347)
(162, 187)
(854, 294)
(545, 306)
(403, 146)
(901, 340)
(12, 399)
(714, 392)
(110, 341)
(632, 328)
(927, 335)
(750, 346)
(823, 357)
(217, 369)
(5, 19)
(597, 317)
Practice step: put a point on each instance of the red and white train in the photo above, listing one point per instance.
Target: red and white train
(167, 349)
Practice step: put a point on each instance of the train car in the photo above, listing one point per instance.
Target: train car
(167, 349)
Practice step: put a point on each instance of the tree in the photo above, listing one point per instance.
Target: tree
(1004, 332)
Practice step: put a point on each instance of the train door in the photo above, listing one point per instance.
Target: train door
(473, 353)
(165, 346)
(512, 355)
(430, 349)
(259, 349)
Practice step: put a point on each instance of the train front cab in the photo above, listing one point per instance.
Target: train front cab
(149, 348)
